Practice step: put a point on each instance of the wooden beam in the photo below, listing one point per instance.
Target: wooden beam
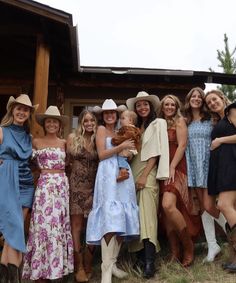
(10, 90)
(41, 81)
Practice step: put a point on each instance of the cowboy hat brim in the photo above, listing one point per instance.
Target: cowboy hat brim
(98, 109)
(130, 102)
(13, 101)
(41, 117)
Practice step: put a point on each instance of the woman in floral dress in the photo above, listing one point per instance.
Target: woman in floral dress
(50, 247)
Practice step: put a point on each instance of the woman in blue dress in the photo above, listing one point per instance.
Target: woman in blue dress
(114, 215)
(17, 187)
(197, 156)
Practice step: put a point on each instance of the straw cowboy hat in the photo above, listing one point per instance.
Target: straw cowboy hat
(21, 99)
(143, 95)
(51, 112)
(109, 104)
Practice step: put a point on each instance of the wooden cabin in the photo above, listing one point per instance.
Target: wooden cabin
(39, 55)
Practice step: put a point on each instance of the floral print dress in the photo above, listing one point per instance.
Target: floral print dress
(49, 247)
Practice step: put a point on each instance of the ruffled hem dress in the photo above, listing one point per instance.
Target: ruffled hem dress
(114, 204)
(180, 188)
(50, 247)
(17, 185)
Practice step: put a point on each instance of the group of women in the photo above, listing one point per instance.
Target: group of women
(184, 151)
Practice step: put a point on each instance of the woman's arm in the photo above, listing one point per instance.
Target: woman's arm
(182, 136)
(1, 135)
(103, 152)
(142, 179)
(219, 141)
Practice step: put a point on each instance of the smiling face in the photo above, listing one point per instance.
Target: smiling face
(89, 123)
(52, 126)
(169, 108)
(142, 108)
(215, 103)
(21, 114)
(110, 117)
(196, 100)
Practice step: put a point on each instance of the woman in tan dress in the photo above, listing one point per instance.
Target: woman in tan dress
(84, 162)
(150, 164)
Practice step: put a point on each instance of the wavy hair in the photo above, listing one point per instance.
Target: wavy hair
(172, 120)
(79, 140)
(7, 120)
(204, 112)
(220, 94)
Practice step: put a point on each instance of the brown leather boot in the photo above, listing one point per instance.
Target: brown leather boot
(80, 275)
(14, 273)
(231, 236)
(174, 246)
(3, 273)
(123, 175)
(88, 260)
(188, 247)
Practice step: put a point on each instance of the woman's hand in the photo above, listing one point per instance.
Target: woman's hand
(141, 183)
(171, 179)
(215, 143)
(128, 144)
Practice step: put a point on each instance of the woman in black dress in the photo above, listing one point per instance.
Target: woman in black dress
(222, 174)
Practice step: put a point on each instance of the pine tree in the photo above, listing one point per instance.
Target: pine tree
(228, 64)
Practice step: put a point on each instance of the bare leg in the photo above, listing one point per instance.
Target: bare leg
(226, 204)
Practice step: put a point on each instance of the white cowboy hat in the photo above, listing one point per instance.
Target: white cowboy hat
(51, 112)
(143, 95)
(21, 99)
(109, 104)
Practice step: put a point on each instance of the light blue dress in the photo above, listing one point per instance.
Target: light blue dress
(114, 204)
(198, 153)
(17, 188)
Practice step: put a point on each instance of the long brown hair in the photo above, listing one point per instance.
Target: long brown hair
(204, 112)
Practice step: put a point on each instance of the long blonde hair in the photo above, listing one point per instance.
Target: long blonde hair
(7, 120)
(172, 121)
(79, 140)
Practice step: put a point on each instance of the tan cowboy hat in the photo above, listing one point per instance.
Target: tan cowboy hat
(109, 104)
(51, 112)
(143, 95)
(21, 99)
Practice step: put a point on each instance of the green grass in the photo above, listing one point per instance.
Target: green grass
(170, 272)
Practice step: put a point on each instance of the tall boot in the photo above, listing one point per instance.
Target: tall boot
(174, 246)
(88, 260)
(117, 272)
(221, 221)
(140, 261)
(150, 255)
(3, 273)
(107, 259)
(80, 275)
(209, 230)
(13, 273)
(188, 247)
(231, 236)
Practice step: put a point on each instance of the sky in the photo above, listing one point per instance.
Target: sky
(160, 34)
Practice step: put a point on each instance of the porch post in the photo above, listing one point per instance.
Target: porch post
(41, 81)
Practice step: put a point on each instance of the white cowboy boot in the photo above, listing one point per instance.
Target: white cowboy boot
(209, 230)
(117, 272)
(107, 259)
